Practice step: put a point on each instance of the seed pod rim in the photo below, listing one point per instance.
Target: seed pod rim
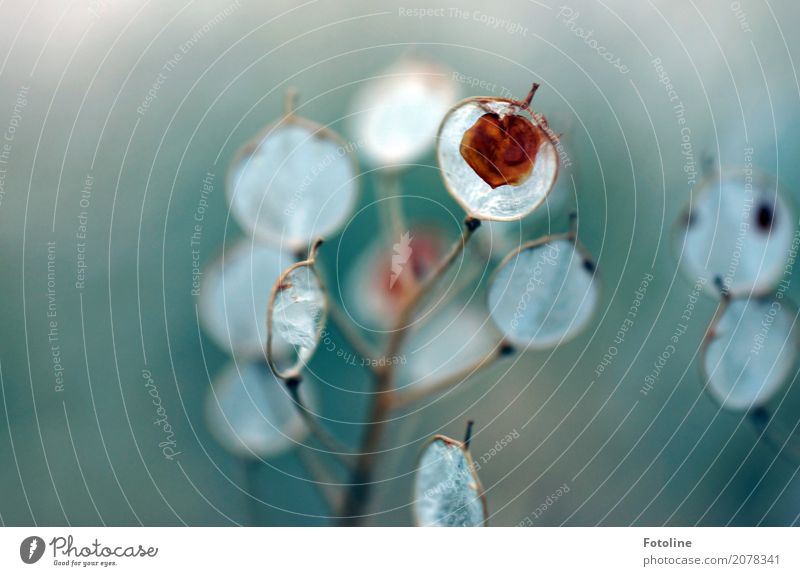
(482, 100)
(537, 243)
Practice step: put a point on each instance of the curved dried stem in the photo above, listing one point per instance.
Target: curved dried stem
(405, 398)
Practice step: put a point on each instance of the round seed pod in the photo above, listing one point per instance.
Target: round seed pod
(497, 160)
(398, 113)
(294, 182)
(447, 490)
(750, 350)
(545, 292)
(737, 228)
(233, 303)
(250, 412)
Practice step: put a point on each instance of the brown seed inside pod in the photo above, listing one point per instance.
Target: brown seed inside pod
(501, 150)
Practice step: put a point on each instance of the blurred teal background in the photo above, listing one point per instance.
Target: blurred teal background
(88, 453)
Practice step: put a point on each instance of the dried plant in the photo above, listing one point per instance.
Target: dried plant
(298, 182)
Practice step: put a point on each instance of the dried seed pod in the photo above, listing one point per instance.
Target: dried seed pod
(232, 306)
(294, 182)
(750, 350)
(397, 114)
(447, 490)
(497, 159)
(545, 292)
(296, 316)
(738, 228)
(250, 412)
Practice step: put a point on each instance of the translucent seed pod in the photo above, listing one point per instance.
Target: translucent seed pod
(447, 490)
(294, 182)
(397, 114)
(442, 345)
(296, 315)
(497, 159)
(233, 297)
(737, 228)
(250, 412)
(750, 350)
(545, 292)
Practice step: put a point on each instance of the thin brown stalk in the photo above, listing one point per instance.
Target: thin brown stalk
(322, 479)
(405, 398)
(329, 443)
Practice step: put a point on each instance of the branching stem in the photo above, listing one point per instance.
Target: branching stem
(405, 398)
(357, 498)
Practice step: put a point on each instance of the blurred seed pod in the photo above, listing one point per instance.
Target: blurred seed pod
(496, 161)
(234, 294)
(453, 338)
(750, 350)
(383, 275)
(397, 114)
(545, 292)
(447, 490)
(737, 228)
(294, 182)
(296, 315)
(250, 412)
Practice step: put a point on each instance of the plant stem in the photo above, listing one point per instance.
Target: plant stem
(353, 338)
(468, 434)
(357, 498)
(322, 479)
(331, 444)
(250, 471)
(403, 399)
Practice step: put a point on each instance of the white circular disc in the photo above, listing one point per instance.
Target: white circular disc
(544, 294)
(738, 230)
(234, 296)
(397, 114)
(751, 352)
(446, 489)
(506, 202)
(250, 412)
(292, 185)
